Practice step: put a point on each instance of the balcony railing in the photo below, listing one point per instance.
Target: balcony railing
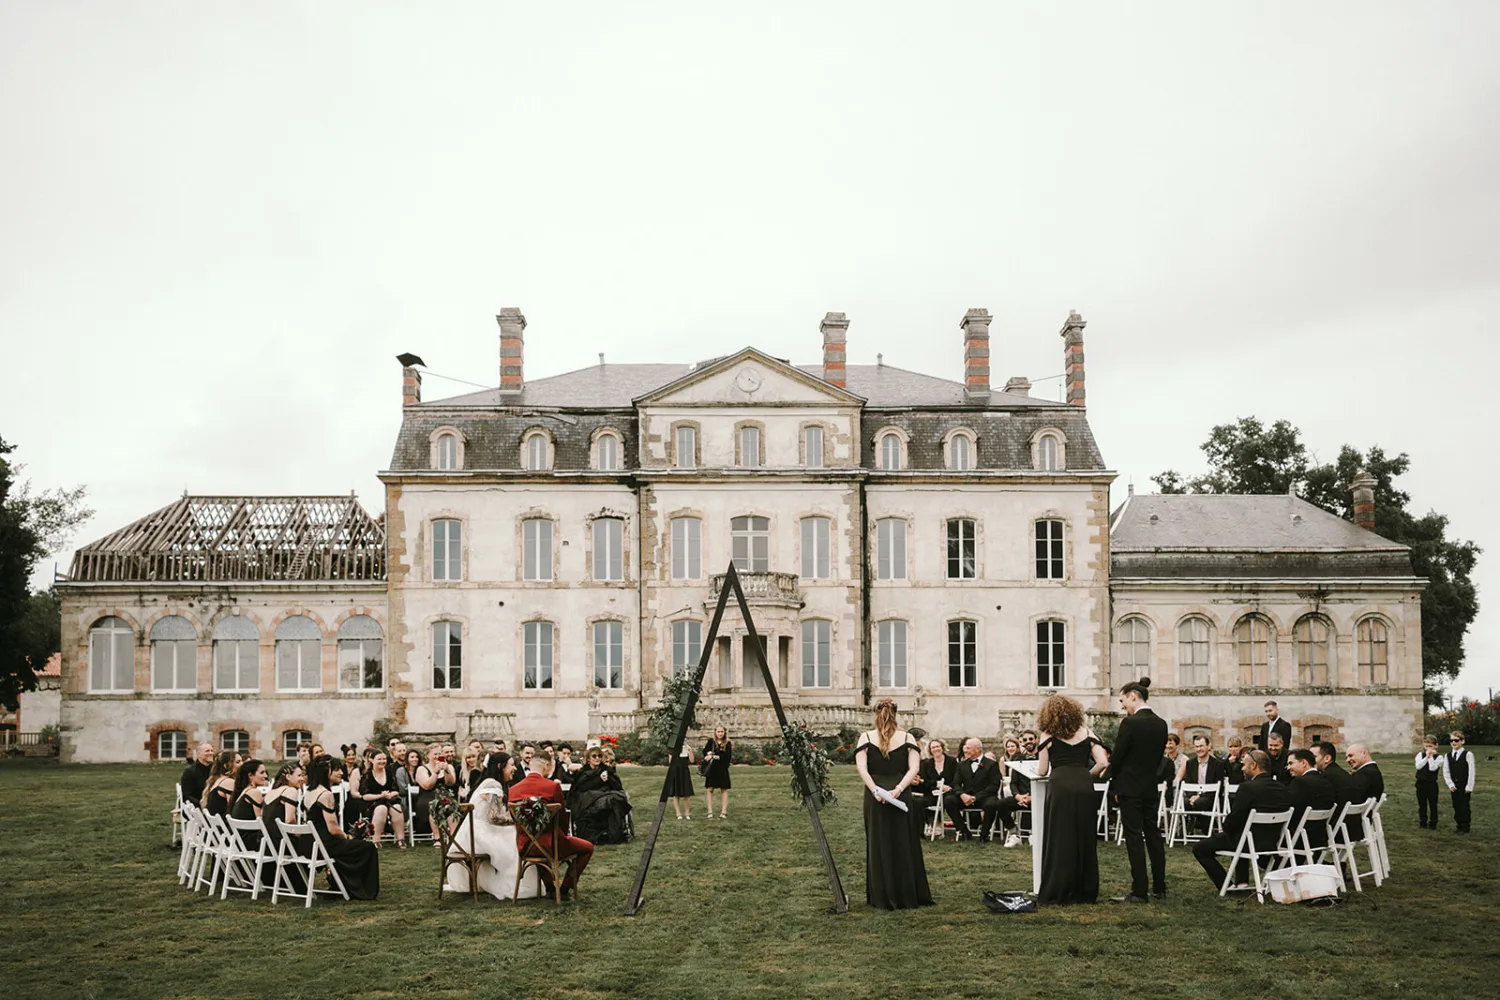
(763, 588)
(757, 721)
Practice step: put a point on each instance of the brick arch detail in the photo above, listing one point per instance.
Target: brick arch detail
(1215, 727)
(167, 725)
(218, 729)
(228, 612)
(171, 612)
(92, 619)
(1300, 724)
(295, 612)
(281, 726)
(348, 613)
(1247, 726)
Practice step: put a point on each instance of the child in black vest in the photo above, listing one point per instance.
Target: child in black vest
(1429, 768)
(1458, 774)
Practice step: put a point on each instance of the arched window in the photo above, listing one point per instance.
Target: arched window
(111, 656)
(1252, 642)
(235, 739)
(1374, 652)
(607, 452)
(361, 655)
(750, 539)
(536, 549)
(536, 452)
(236, 655)
(609, 655)
(299, 654)
(174, 655)
(961, 451)
(291, 740)
(1132, 651)
(447, 451)
(817, 653)
(1051, 654)
(447, 656)
(1313, 650)
(609, 546)
(890, 645)
(1193, 644)
(815, 536)
(171, 744)
(890, 452)
(1049, 453)
(685, 446)
(537, 647)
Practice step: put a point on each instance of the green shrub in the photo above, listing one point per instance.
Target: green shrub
(1480, 722)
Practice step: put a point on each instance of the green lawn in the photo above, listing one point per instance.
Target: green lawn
(736, 909)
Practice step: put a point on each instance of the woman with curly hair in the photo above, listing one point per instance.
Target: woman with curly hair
(1070, 756)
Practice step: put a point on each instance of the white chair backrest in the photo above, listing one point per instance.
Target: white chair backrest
(1198, 789)
(178, 786)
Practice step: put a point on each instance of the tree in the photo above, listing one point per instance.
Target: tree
(1248, 457)
(32, 525)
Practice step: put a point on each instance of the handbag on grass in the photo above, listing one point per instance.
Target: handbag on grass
(1010, 902)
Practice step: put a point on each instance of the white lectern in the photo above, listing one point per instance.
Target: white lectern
(1038, 811)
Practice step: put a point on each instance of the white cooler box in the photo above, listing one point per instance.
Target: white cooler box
(1302, 882)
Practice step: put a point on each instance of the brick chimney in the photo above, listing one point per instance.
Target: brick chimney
(1072, 335)
(512, 329)
(835, 327)
(411, 379)
(1364, 500)
(976, 328)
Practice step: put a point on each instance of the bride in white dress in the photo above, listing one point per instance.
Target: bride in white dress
(494, 834)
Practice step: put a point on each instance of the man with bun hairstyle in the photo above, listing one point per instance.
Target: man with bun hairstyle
(1138, 753)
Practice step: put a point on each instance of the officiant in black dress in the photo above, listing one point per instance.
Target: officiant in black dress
(888, 761)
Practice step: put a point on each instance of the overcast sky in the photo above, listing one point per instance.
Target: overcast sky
(220, 222)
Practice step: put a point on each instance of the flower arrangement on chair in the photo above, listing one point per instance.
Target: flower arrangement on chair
(533, 816)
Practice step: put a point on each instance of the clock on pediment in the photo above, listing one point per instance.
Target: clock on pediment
(748, 379)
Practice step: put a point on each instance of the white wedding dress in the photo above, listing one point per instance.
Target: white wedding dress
(497, 876)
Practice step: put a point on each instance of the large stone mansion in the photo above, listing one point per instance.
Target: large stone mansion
(550, 550)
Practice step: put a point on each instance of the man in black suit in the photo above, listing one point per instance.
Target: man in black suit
(979, 788)
(195, 776)
(1276, 754)
(1365, 779)
(1138, 753)
(1310, 789)
(1274, 724)
(1257, 791)
(940, 769)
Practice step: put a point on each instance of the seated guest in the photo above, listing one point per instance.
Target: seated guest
(1235, 750)
(1365, 778)
(978, 782)
(490, 832)
(566, 768)
(939, 770)
(249, 783)
(1012, 748)
(218, 793)
(357, 861)
(1202, 768)
(195, 776)
(1310, 789)
(598, 802)
(279, 802)
(527, 752)
(1276, 754)
(1173, 762)
(1258, 791)
(539, 784)
(383, 800)
(304, 754)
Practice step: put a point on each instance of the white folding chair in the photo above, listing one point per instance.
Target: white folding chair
(1275, 823)
(1377, 831)
(935, 821)
(1101, 815)
(242, 864)
(1298, 843)
(412, 836)
(192, 837)
(213, 846)
(340, 800)
(1183, 810)
(177, 817)
(1345, 843)
(1162, 810)
(287, 856)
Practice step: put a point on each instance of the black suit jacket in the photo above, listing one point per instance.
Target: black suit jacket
(1278, 767)
(929, 774)
(1279, 726)
(1210, 773)
(194, 780)
(981, 783)
(1261, 792)
(1019, 783)
(1312, 790)
(1138, 754)
(1366, 783)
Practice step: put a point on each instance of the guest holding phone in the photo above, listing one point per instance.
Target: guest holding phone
(717, 754)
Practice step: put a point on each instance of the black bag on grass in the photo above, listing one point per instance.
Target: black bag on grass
(1010, 902)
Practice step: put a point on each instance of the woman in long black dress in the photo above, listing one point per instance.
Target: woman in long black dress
(717, 753)
(888, 759)
(279, 802)
(357, 861)
(1070, 757)
(680, 783)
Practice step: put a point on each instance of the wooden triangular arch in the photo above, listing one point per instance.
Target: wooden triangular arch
(732, 583)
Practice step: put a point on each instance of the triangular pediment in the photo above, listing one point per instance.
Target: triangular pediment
(748, 378)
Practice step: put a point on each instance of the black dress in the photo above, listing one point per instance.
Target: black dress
(895, 872)
(357, 861)
(600, 808)
(244, 808)
(717, 775)
(270, 812)
(218, 801)
(679, 778)
(420, 819)
(370, 785)
(1070, 860)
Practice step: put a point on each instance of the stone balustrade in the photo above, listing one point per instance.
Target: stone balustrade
(762, 588)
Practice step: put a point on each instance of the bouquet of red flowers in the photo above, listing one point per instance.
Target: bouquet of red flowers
(363, 829)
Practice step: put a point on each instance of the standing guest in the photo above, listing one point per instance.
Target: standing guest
(680, 783)
(1274, 724)
(383, 800)
(218, 793)
(1257, 791)
(1276, 755)
(717, 754)
(1203, 768)
(357, 861)
(539, 784)
(316, 751)
(888, 760)
(1071, 757)
(195, 776)
(939, 773)
(1137, 757)
(1429, 768)
(978, 788)
(1365, 778)
(1309, 789)
(1235, 751)
(470, 774)
(422, 778)
(1458, 775)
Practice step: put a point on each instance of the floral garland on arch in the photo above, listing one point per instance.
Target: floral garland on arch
(802, 749)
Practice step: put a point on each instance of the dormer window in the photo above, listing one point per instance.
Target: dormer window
(447, 452)
(536, 451)
(607, 451)
(959, 450)
(1049, 451)
(890, 451)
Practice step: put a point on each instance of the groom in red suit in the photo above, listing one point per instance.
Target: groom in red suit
(539, 784)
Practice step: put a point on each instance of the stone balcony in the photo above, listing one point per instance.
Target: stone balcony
(757, 721)
(774, 589)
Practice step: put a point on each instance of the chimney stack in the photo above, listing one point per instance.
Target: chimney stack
(1018, 386)
(835, 327)
(512, 328)
(976, 328)
(411, 379)
(1364, 500)
(1072, 335)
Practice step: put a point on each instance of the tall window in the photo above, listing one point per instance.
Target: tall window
(1252, 640)
(1051, 654)
(750, 447)
(1192, 653)
(1049, 550)
(291, 740)
(963, 654)
(447, 656)
(536, 669)
(812, 447)
(447, 549)
(890, 643)
(890, 549)
(536, 453)
(609, 554)
(687, 646)
(750, 666)
(1048, 453)
(361, 655)
(174, 655)
(447, 449)
(235, 739)
(687, 447)
(890, 452)
(299, 655)
(111, 656)
(961, 551)
(687, 548)
(609, 453)
(1374, 652)
(236, 655)
(171, 745)
(960, 453)
(609, 655)
(1132, 650)
(815, 548)
(751, 544)
(817, 670)
(1311, 634)
(536, 549)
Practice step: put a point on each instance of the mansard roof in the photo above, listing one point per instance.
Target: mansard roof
(207, 539)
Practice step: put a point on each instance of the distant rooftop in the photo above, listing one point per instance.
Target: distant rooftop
(1235, 523)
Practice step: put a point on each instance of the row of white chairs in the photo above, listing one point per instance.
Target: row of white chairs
(1294, 847)
(215, 854)
(341, 797)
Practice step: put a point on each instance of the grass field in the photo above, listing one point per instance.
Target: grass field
(738, 909)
